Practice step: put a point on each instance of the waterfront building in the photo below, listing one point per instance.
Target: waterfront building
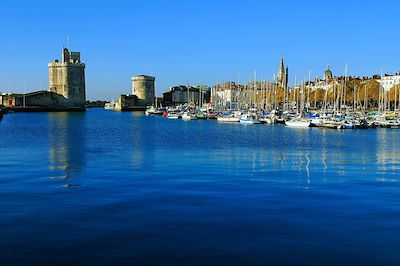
(225, 95)
(389, 81)
(181, 94)
(231, 95)
(328, 81)
(143, 87)
(126, 102)
(11, 99)
(167, 98)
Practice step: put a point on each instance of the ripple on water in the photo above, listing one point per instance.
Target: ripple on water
(115, 185)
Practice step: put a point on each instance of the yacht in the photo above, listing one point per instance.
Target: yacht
(110, 105)
(155, 111)
(249, 119)
(171, 115)
(298, 123)
(228, 119)
(189, 116)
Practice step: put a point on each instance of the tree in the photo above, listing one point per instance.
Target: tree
(394, 93)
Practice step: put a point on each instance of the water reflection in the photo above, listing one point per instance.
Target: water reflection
(67, 144)
(314, 156)
(387, 155)
(141, 141)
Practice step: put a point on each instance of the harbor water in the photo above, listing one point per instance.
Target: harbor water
(103, 187)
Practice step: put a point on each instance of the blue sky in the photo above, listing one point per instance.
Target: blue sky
(181, 42)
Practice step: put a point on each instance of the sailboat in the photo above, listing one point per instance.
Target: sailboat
(299, 122)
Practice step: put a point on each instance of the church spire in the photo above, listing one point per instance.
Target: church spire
(281, 74)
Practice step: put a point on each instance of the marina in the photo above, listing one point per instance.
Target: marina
(330, 121)
(333, 102)
(199, 133)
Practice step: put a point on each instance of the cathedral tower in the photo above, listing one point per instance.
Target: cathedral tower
(282, 78)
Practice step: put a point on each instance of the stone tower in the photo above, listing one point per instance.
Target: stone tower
(143, 88)
(328, 76)
(282, 77)
(67, 78)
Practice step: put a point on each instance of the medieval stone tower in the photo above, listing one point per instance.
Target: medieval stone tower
(143, 88)
(282, 78)
(67, 78)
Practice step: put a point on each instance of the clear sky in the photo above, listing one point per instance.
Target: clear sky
(198, 41)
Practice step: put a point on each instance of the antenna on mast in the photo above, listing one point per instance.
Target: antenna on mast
(67, 42)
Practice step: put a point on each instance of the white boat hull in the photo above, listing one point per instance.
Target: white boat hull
(228, 119)
(189, 117)
(269, 121)
(298, 124)
(173, 117)
(250, 122)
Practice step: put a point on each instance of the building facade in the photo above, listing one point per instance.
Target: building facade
(389, 81)
(178, 95)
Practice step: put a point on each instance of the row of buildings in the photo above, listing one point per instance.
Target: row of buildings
(258, 93)
(225, 94)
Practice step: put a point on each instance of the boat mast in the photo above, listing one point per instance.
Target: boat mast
(294, 90)
(395, 97)
(399, 96)
(255, 89)
(238, 92)
(326, 96)
(230, 92)
(344, 90)
(308, 89)
(315, 94)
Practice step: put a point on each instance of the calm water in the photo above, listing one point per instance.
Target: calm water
(104, 187)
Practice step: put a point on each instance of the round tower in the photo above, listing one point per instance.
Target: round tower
(143, 88)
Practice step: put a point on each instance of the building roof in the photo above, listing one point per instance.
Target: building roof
(36, 92)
